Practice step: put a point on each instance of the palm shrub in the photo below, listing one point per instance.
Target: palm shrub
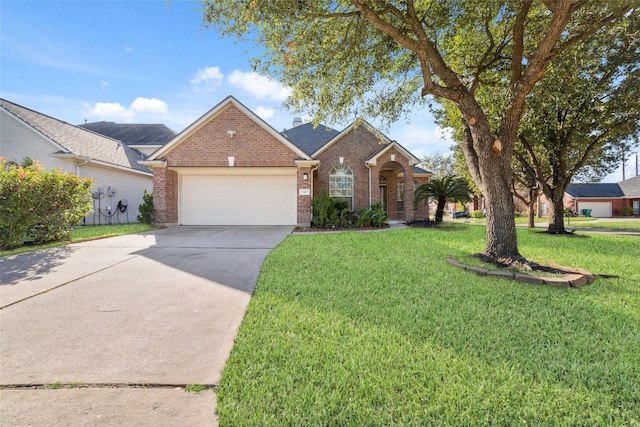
(373, 216)
(447, 189)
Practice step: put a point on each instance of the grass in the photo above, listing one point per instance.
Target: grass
(377, 329)
(79, 234)
(630, 224)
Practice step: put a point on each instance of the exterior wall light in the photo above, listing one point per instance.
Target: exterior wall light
(305, 176)
(231, 160)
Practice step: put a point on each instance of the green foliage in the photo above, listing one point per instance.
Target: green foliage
(40, 206)
(626, 210)
(373, 216)
(478, 214)
(448, 189)
(146, 208)
(328, 212)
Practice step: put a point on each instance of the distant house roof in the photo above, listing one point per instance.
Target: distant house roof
(631, 187)
(310, 139)
(419, 170)
(598, 190)
(73, 140)
(133, 134)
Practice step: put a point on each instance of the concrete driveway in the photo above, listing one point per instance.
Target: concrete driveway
(130, 320)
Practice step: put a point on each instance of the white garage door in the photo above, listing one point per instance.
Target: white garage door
(239, 199)
(598, 209)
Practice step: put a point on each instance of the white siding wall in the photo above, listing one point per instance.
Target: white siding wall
(128, 186)
(17, 142)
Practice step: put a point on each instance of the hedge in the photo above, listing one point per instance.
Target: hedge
(40, 206)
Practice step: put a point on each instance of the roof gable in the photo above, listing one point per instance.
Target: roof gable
(73, 140)
(631, 187)
(594, 190)
(210, 115)
(383, 138)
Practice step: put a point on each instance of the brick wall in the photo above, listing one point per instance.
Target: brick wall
(211, 145)
(356, 147)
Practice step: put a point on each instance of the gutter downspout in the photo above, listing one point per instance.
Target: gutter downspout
(86, 161)
(313, 168)
(368, 166)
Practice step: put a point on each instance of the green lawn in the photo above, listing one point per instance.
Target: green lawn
(79, 234)
(631, 224)
(377, 329)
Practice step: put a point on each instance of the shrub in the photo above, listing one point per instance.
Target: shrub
(40, 206)
(146, 208)
(373, 216)
(626, 210)
(478, 214)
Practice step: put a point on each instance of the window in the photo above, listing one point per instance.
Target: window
(400, 197)
(341, 184)
(636, 207)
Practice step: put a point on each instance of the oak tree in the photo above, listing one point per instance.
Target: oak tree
(383, 59)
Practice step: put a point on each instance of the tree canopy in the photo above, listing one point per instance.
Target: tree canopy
(345, 59)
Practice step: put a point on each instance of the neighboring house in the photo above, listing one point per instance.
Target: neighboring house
(55, 144)
(230, 167)
(631, 189)
(145, 138)
(605, 200)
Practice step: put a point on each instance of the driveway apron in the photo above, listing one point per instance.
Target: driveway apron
(129, 321)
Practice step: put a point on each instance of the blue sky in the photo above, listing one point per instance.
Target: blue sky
(148, 62)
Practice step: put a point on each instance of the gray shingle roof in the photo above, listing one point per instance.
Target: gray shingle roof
(631, 187)
(600, 190)
(308, 139)
(133, 134)
(78, 141)
(417, 169)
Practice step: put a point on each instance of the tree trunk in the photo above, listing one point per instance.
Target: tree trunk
(501, 241)
(489, 162)
(556, 211)
(442, 201)
(531, 211)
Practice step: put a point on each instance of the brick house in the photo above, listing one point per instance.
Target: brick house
(604, 200)
(230, 167)
(113, 166)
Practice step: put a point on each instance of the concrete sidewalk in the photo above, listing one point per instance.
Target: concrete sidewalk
(160, 308)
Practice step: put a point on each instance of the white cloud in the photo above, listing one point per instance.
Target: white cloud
(264, 112)
(260, 87)
(149, 105)
(141, 110)
(210, 77)
(128, 48)
(104, 83)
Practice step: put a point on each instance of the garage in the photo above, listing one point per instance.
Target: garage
(598, 209)
(237, 196)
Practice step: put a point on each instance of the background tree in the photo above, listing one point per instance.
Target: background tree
(582, 115)
(447, 189)
(377, 58)
(439, 164)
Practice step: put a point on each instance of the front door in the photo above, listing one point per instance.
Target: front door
(383, 197)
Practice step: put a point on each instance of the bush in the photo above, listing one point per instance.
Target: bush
(373, 216)
(146, 208)
(478, 214)
(328, 212)
(40, 206)
(626, 210)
